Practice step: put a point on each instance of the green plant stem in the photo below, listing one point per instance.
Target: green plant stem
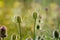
(2, 38)
(20, 31)
(34, 28)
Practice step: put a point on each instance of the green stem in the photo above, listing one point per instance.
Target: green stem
(20, 31)
(34, 28)
(2, 38)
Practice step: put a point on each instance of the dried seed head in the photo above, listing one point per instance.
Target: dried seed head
(18, 19)
(34, 15)
(3, 31)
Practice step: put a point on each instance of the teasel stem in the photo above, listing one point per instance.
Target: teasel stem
(20, 31)
(2, 38)
(19, 21)
(34, 28)
(35, 17)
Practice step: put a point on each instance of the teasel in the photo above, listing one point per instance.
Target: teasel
(13, 37)
(39, 38)
(38, 27)
(3, 32)
(19, 22)
(56, 35)
(34, 17)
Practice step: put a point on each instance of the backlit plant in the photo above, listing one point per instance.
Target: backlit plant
(34, 17)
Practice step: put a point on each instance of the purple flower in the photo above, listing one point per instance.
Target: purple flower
(3, 32)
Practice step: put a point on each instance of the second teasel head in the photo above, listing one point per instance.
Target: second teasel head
(18, 19)
(34, 15)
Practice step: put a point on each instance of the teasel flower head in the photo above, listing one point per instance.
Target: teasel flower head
(39, 38)
(34, 15)
(13, 37)
(38, 27)
(18, 19)
(3, 31)
(56, 34)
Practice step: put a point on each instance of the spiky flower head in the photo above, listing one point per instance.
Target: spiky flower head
(56, 34)
(3, 31)
(38, 26)
(18, 19)
(34, 15)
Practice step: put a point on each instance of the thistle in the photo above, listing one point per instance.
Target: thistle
(13, 37)
(19, 21)
(3, 32)
(35, 17)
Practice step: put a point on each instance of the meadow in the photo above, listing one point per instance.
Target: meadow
(30, 19)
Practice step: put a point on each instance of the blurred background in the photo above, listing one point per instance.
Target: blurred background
(9, 9)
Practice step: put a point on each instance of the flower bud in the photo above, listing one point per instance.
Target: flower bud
(34, 15)
(18, 19)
